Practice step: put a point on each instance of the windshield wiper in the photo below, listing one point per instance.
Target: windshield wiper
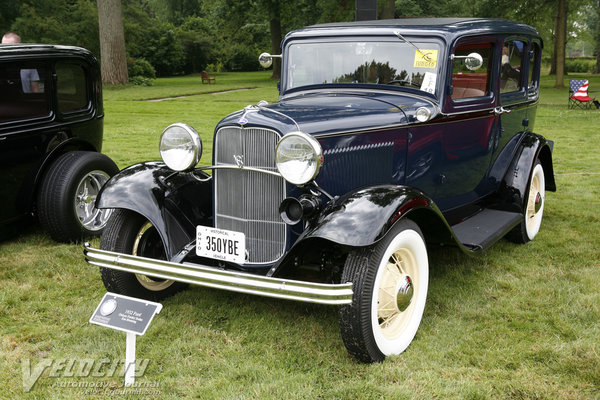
(425, 56)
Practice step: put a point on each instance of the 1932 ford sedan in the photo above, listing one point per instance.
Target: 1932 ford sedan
(389, 137)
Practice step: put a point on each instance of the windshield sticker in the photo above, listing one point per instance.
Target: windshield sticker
(428, 84)
(425, 58)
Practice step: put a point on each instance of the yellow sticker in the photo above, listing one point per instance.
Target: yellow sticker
(425, 58)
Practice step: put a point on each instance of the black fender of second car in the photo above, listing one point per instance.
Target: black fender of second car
(174, 203)
(364, 216)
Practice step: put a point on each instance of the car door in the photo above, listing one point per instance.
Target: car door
(512, 111)
(25, 104)
(464, 136)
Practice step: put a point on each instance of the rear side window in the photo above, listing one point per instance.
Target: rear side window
(71, 87)
(512, 60)
(467, 83)
(534, 65)
(23, 91)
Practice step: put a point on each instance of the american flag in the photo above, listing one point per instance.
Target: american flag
(579, 89)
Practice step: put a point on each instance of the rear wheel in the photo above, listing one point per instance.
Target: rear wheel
(390, 280)
(130, 233)
(66, 201)
(533, 209)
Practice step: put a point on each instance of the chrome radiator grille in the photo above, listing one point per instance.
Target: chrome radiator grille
(248, 201)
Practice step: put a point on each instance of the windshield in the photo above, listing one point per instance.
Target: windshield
(383, 63)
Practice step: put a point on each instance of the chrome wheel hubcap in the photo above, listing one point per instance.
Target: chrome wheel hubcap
(405, 293)
(90, 217)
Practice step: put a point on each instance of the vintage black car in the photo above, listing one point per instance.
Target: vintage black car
(51, 120)
(389, 138)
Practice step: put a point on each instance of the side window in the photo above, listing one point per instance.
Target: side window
(534, 65)
(22, 91)
(71, 87)
(510, 70)
(467, 83)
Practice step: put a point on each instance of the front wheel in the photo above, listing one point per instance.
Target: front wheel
(130, 233)
(390, 280)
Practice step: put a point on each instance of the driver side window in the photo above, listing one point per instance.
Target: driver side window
(465, 82)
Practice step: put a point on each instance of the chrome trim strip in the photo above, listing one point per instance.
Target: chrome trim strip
(265, 171)
(234, 281)
(438, 119)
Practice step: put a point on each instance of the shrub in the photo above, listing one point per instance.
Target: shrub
(140, 67)
(241, 57)
(216, 67)
(140, 81)
(580, 65)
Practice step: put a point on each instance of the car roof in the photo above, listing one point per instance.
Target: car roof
(33, 49)
(447, 27)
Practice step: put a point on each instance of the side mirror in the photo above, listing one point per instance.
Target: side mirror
(266, 59)
(473, 61)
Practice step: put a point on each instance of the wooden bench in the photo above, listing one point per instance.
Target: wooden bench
(207, 78)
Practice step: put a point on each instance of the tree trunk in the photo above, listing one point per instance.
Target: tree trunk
(113, 61)
(561, 41)
(388, 10)
(553, 58)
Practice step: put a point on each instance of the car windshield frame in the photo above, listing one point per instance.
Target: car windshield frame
(417, 52)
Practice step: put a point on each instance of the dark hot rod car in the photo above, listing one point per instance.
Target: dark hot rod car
(389, 137)
(51, 119)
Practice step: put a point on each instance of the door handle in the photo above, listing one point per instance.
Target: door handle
(501, 110)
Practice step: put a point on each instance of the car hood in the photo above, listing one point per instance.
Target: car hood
(328, 113)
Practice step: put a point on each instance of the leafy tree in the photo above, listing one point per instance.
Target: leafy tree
(10, 11)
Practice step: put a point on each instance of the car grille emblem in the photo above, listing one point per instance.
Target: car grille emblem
(239, 160)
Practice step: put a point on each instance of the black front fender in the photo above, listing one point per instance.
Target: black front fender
(364, 216)
(173, 202)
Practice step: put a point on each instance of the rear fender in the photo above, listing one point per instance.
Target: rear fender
(515, 184)
(173, 202)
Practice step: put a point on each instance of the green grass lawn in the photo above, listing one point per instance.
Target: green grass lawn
(519, 322)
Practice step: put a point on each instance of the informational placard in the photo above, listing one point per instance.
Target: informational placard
(124, 313)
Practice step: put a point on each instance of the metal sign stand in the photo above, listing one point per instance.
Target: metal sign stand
(130, 359)
(129, 315)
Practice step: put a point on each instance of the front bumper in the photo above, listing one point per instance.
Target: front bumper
(221, 279)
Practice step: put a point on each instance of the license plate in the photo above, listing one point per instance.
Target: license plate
(221, 244)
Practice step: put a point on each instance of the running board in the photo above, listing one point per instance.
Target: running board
(235, 281)
(485, 228)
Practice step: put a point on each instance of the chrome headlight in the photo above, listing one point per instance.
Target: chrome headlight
(180, 147)
(298, 158)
